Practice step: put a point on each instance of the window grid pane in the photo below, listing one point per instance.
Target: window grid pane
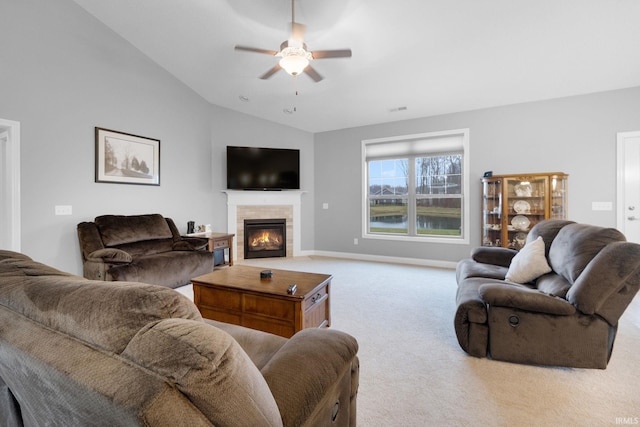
(388, 215)
(439, 216)
(439, 174)
(388, 177)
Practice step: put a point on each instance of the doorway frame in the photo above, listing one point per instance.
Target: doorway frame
(621, 182)
(12, 177)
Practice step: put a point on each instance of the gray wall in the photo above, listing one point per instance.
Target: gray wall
(63, 73)
(576, 135)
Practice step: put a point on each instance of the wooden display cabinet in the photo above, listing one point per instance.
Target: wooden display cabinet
(512, 204)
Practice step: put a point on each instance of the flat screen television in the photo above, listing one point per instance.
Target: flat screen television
(255, 168)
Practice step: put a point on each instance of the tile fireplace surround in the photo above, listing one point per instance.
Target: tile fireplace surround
(243, 205)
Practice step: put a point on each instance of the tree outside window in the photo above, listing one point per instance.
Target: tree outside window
(439, 195)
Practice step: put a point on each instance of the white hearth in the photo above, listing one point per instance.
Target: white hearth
(243, 205)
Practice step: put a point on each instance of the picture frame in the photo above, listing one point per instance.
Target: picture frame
(123, 158)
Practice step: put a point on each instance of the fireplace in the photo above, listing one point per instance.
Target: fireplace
(265, 238)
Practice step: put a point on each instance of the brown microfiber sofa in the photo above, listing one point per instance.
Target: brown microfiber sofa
(141, 248)
(566, 317)
(78, 352)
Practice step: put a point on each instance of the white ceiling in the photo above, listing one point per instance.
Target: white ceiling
(430, 56)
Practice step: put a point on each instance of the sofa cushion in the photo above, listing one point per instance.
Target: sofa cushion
(548, 230)
(190, 244)
(528, 264)
(121, 229)
(59, 380)
(146, 247)
(553, 284)
(523, 298)
(210, 368)
(104, 314)
(576, 245)
(260, 346)
(171, 269)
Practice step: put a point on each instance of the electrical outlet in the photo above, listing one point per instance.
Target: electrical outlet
(325, 206)
(355, 240)
(63, 210)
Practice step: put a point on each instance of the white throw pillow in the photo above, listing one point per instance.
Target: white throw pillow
(528, 264)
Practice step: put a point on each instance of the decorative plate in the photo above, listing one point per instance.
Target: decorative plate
(520, 222)
(521, 239)
(521, 206)
(524, 190)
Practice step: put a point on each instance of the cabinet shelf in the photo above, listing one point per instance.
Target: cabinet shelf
(536, 197)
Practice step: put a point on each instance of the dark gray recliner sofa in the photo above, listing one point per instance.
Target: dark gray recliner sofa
(79, 352)
(567, 317)
(141, 248)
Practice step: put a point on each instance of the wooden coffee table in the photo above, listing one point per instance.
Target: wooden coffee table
(238, 295)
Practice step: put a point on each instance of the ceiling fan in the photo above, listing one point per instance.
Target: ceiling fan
(293, 53)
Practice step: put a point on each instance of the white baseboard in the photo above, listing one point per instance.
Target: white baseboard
(382, 258)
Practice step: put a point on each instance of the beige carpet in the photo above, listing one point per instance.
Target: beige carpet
(413, 373)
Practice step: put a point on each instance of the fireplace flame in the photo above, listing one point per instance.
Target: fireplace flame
(265, 239)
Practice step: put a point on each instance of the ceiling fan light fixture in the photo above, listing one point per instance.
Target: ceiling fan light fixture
(293, 53)
(294, 60)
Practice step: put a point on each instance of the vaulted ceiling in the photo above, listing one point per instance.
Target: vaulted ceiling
(411, 58)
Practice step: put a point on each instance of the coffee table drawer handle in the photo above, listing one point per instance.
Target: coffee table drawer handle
(316, 298)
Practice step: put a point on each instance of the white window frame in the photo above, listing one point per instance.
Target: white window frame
(435, 140)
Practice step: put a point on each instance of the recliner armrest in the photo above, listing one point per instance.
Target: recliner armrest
(110, 255)
(493, 255)
(523, 298)
(305, 372)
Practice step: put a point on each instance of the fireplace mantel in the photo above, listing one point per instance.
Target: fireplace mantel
(292, 198)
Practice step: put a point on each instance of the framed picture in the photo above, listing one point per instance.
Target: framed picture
(126, 159)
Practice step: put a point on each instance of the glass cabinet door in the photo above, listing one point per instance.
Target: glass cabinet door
(526, 206)
(558, 197)
(492, 212)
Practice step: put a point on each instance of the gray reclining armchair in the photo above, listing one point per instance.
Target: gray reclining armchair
(567, 316)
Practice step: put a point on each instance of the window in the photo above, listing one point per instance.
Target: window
(415, 187)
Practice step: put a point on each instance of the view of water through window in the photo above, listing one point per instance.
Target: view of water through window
(436, 196)
(399, 222)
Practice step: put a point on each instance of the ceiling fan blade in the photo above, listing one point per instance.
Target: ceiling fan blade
(340, 53)
(271, 72)
(254, 49)
(297, 31)
(311, 72)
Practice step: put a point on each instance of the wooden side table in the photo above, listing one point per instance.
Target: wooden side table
(218, 241)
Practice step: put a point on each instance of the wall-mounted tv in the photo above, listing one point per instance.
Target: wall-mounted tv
(255, 168)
